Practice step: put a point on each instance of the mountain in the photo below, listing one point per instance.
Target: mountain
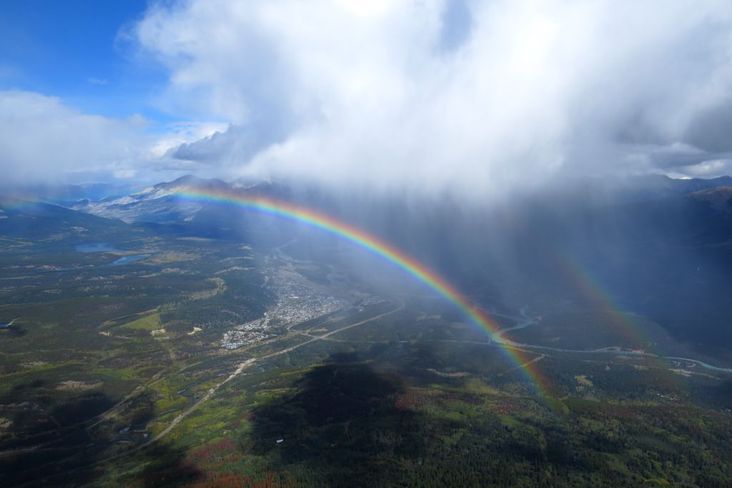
(156, 204)
(37, 220)
(67, 194)
(719, 198)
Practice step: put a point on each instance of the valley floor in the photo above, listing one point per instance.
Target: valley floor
(208, 363)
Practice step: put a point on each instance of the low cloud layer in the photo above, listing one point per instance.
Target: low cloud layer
(44, 140)
(477, 96)
(41, 138)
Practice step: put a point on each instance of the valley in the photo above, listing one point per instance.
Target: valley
(177, 368)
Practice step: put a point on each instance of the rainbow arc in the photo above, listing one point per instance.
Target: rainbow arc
(382, 249)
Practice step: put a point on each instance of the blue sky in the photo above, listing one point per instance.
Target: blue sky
(477, 96)
(73, 49)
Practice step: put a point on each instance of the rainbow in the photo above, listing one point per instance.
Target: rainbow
(622, 322)
(384, 250)
(591, 290)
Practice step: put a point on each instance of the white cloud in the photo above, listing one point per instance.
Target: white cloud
(181, 133)
(42, 139)
(706, 169)
(384, 93)
(98, 81)
(476, 96)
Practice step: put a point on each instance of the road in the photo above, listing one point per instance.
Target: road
(249, 362)
(525, 321)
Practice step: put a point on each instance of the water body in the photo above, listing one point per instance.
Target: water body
(95, 247)
(6, 325)
(128, 259)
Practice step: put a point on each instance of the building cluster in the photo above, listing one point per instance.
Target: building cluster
(298, 300)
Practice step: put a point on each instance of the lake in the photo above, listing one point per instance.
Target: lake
(95, 247)
(128, 259)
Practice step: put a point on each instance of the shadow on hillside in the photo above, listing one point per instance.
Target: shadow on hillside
(51, 442)
(342, 426)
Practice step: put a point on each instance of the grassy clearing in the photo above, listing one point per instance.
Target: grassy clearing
(149, 322)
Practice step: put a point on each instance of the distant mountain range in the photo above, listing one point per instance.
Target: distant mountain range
(65, 194)
(159, 203)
